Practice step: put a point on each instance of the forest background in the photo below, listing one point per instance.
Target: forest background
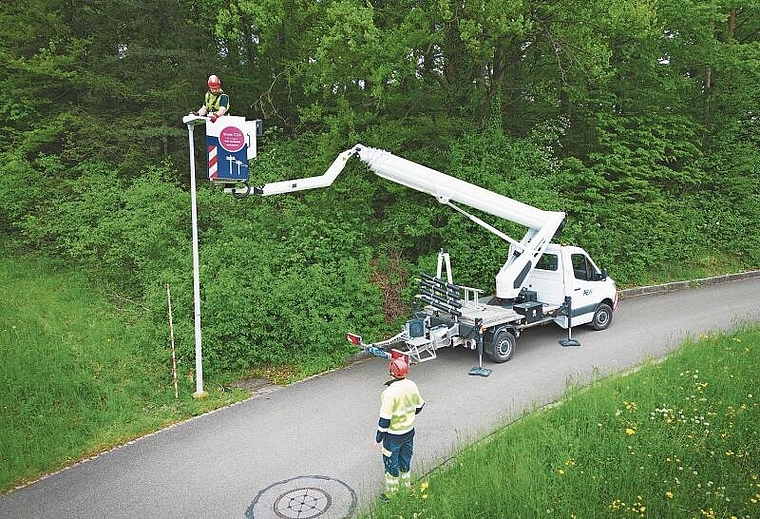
(639, 118)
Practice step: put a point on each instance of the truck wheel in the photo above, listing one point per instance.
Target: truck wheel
(503, 346)
(602, 317)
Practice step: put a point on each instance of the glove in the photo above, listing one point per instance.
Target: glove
(214, 117)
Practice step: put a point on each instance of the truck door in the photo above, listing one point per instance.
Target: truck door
(546, 279)
(584, 285)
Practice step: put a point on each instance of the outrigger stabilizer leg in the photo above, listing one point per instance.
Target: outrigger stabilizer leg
(479, 370)
(356, 340)
(568, 308)
(379, 351)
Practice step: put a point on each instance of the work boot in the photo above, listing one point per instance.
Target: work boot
(406, 480)
(391, 484)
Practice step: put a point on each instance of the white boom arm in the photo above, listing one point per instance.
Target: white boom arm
(542, 225)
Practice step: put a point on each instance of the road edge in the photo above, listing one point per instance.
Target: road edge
(682, 285)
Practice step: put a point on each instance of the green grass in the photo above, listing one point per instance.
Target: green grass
(694, 268)
(74, 377)
(675, 439)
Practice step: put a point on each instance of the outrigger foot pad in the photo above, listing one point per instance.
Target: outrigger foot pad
(480, 371)
(570, 342)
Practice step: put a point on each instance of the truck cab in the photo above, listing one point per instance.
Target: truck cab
(567, 271)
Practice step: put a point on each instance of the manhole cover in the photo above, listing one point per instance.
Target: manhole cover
(303, 502)
(304, 497)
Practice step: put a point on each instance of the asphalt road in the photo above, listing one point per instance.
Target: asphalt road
(307, 450)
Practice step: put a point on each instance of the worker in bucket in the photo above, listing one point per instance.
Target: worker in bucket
(216, 102)
(401, 402)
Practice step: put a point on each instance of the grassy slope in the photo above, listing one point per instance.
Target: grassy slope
(73, 380)
(677, 438)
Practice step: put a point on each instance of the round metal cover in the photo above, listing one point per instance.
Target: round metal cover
(304, 497)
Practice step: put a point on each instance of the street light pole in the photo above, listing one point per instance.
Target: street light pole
(232, 137)
(199, 392)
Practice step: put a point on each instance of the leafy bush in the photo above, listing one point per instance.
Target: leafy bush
(284, 278)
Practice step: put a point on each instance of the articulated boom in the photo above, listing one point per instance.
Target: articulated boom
(542, 225)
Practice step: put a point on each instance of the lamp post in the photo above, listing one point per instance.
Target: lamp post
(191, 121)
(237, 137)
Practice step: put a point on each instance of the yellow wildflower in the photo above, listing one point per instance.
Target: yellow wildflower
(629, 431)
(669, 494)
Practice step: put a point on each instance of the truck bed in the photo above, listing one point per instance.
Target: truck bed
(490, 314)
(493, 315)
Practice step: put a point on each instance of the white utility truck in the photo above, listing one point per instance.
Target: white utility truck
(540, 282)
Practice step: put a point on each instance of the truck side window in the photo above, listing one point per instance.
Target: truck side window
(582, 268)
(548, 262)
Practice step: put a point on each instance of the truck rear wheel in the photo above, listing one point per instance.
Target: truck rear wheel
(502, 346)
(602, 317)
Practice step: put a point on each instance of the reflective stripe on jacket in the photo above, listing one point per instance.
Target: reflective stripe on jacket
(400, 403)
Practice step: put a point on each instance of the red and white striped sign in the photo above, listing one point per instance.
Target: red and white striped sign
(213, 170)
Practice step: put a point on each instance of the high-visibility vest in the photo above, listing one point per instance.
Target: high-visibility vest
(213, 101)
(400, 403)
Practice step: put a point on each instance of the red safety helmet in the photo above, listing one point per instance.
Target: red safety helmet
(214, 82)
(398, 368)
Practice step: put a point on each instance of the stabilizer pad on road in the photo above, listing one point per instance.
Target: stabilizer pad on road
(304, 497)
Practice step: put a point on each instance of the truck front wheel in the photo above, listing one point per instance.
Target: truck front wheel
(502, 346)
(602, 317)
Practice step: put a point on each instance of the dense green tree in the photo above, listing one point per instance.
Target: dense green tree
(636, 117)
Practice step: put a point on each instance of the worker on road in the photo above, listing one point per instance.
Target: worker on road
(401, 402)
(215, 102)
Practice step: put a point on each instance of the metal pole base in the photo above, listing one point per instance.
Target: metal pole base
(480, 371)
(570, 342)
